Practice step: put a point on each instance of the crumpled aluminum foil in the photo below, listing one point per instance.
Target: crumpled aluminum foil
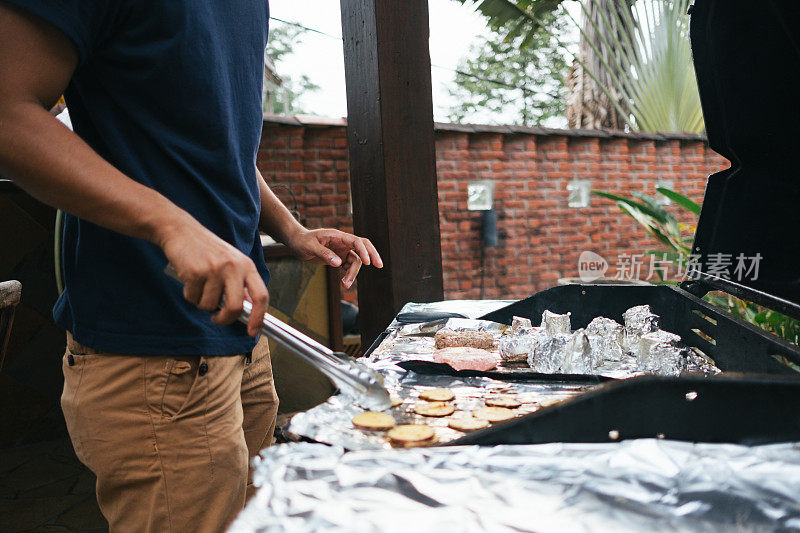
(638, 321)
(606, 336)
(648, 357)
(639, 485)
(520, 325)
(666, 359)
(517, 344)
(548, 352)
(578, 357)
(516, 348)
(697, 364)
(555, 324)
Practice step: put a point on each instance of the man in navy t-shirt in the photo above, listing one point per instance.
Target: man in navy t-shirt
(164, 400)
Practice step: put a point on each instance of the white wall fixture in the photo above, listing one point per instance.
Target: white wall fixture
(480, 195)
(580, 193)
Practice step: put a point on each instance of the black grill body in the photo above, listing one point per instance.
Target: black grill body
(747, 61)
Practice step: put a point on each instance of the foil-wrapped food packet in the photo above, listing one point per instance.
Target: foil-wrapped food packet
(516, 348)
(517, 344)
(695, 363)
(666, 359)
(521, 325)
(638, 321)
(647, 358)
(548, 352)
(577, 354)
(555, 324)
(605, 337)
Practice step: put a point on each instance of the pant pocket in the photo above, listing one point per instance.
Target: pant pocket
(179, 379)
(73, 367)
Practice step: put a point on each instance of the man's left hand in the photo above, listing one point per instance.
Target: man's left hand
(337, 249)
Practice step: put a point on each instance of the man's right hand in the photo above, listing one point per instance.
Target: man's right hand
(210, 268)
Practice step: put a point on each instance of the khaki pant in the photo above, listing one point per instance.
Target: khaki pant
(168, 437)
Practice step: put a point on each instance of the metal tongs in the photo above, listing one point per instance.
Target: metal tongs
(362, 384)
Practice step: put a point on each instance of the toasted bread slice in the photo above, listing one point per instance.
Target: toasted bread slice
(467, 424)
(434, 409)
(373, 421)
(493, 414)
(411, 435)
(509, 402)
(437, 395)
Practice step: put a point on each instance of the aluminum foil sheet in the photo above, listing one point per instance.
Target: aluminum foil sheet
(330, 422)
(465, 308)
(452, 324)
(640, 485)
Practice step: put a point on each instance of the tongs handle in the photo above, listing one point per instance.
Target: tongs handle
(364, 384)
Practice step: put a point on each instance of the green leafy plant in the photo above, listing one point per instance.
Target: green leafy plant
(283, 39)
(634, 63)
(525, 84)
(677, 237)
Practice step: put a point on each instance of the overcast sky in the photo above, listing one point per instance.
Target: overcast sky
(453, 28)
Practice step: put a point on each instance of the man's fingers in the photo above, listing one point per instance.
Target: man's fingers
(212, 292)
(361, 250)
(327, 255)
(373, 254)
(234, 297)
(193, 290)
(353, 265)
(260, 300)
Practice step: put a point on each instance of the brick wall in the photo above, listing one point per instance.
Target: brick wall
(540, 236)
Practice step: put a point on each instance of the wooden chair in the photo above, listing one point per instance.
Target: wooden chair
(10, 293)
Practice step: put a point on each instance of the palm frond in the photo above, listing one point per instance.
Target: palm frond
(637, 54)
(683, 201)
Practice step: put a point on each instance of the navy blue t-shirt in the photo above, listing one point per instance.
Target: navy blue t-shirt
(169, 92)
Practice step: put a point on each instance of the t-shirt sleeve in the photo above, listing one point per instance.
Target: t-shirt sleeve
(80, 20)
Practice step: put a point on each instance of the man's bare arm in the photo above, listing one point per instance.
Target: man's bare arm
(54, 165)
(323, 246)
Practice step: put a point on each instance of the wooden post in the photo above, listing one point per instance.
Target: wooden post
(392, 155)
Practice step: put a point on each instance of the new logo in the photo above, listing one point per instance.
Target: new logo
(591, 266)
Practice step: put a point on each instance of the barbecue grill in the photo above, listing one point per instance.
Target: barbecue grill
(747, 62)
(751, 208)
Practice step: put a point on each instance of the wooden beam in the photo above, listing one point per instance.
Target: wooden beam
(392, 154)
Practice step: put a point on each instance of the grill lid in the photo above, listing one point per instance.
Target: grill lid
(747, 62)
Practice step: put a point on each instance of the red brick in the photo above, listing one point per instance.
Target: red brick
(540, 236)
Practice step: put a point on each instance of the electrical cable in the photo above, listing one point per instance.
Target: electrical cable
(57, 240)
(296, 210)
(483, 270)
